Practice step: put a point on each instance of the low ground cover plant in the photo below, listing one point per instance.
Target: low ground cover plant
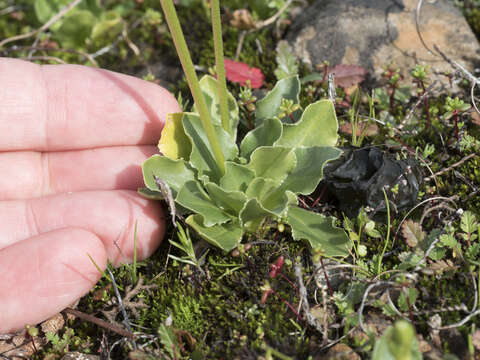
(403, 285)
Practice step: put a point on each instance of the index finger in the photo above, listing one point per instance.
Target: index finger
(70, 107)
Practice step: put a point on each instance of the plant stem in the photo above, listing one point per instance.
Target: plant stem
(220, 64)
(387, 204)
(189, 70)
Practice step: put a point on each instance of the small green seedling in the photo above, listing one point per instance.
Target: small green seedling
(226, 190)
(454, 108)
(420, 76)
(186, 245)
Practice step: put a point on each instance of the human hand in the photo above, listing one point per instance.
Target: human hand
(72, 140)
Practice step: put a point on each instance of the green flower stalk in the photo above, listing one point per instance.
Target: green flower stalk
(220, 63)
(189, 70)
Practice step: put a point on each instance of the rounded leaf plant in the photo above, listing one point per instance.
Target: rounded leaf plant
(227, 190)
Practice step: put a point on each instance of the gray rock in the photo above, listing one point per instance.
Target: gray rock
(375, 33)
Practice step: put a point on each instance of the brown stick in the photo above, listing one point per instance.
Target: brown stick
(100, 322)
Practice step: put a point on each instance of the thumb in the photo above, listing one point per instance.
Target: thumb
(42, 275)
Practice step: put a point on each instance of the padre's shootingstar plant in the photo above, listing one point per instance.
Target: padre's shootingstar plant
(229, 190)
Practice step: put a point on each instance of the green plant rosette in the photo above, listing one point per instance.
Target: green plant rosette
(273, 164)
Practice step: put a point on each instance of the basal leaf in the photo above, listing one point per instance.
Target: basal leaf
(202, 157)
(174, 172)
(319, 231)
(264, 135)
(209, 88)
(193, 197)
(309, 168)
(269, 195)
(231, 202)
(252, 215)
(225, 236)
(318, 126)
(237, 177)
(150, 194)
(272, 162)
(269, 106)
(174, 143)
(261, 188)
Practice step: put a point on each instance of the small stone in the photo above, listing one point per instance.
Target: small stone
(375, 33)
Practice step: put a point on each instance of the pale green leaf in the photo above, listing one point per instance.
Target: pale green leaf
(193, 197)
(209, 87)
(286, 61)
(252, 215)
(269, 106)
(202, 157)
(261, 188)
(264, 135)
(319, 231)
(318, 126)
(237, 177)
(309, 168)
(272, 162)
(150, 194)
(231, 202)
(174, 143)
(174, 172)
(269, 195)
(225, 236)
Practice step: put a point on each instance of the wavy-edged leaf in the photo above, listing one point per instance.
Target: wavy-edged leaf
(174, 143)
(269, 106)
(264, 135)
(252, 215)
(231, 202)
(225, 236)
(193, 197)
(261, 188)
(269, 195)
(413, 233)
(272, 162)
(174, 172)
(319, 231)
(308, 171)
(237, 177)
(318, 126)
(286, 61)
(150, 194)
(209, 87)
(202, 157)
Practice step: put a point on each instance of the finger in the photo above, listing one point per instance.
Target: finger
(39, 174)
(66, 107)
(44, 274)
(110, 215)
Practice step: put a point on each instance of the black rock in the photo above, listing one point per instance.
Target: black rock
(359, 176)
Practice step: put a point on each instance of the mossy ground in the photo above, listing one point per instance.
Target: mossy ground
(217, 312)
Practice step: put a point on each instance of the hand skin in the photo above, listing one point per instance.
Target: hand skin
(72, 140)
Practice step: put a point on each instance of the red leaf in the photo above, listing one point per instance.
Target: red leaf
(348, 75)
(240, 72)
